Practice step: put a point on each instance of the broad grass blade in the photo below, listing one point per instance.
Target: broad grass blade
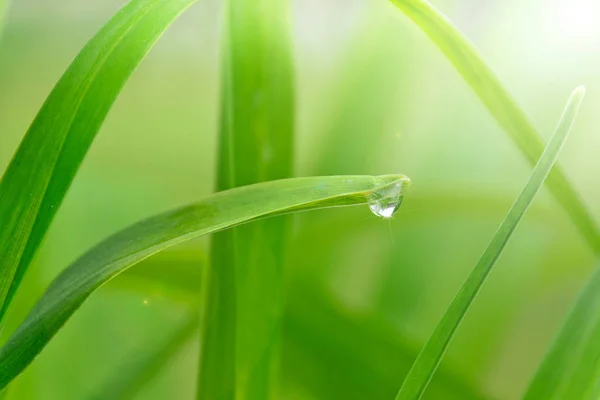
(242, 327)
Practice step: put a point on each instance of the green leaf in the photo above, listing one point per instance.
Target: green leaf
(571, 368)
(49, 156)
(244, 285)
(431, 355)
(122, 250)
(469, 63)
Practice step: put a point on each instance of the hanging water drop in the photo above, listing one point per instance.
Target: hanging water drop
(387, 201)
(385, 208)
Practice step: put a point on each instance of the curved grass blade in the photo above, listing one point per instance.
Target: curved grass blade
(242, 327)
(431, 355)
(49, 156)
(469, 63)
(571, 368)
(124, 249)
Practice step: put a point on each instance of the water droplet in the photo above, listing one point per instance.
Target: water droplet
(386, 202)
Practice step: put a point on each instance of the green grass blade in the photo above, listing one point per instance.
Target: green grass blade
(122, 250)
(242, 328)
(469, 63)
(49, 156)
(571, 368)
(431, 355)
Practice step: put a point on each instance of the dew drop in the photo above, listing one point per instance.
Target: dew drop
(387, 201)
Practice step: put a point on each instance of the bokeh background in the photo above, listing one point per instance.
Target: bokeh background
(375, 96)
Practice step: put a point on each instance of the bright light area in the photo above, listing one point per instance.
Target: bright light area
(578, 21)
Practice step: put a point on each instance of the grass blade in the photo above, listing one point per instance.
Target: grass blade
(242, 328)
(356, 114)
(49, 156)
(124, 249)
(469, 63)
(431, 355)
(571, 368)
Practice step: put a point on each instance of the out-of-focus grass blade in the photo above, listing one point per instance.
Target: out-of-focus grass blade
(479, 76)
(49, 156)
(338, 353)
(571, 368)
(122, 250)
(431, 355)
(132, 377)
(357, 112)
(320, 336)
(242, 327)
(3, 11)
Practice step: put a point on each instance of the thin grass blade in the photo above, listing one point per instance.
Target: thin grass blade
(49, 156)
(470, 64)
(431, 355)
(571, 368)
(128, 247)
(242, 327)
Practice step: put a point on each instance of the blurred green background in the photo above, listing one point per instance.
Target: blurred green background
(374, 97)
